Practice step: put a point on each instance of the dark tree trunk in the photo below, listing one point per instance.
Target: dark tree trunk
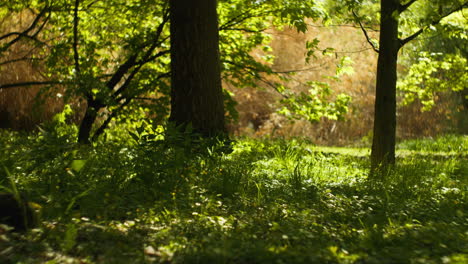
(196, 92)
(383, 144)
(84, 131)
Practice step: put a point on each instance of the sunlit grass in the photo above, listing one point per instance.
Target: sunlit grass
(264, 202)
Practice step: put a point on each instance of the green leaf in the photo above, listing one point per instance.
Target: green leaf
(77, 165)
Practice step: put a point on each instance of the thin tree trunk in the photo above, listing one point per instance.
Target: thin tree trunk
(383, 145)
(84, 131)
(196, 92)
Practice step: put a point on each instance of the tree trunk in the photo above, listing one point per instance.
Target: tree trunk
(196, 92)
(383, 144)
(84, 132)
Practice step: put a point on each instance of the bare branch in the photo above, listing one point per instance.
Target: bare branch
(25, 33)
(274, 86)
(44, 23)
(121, 71)
(365, 33)
(30, 28)
(315, 68)
(247, 30)
(24, 84)
(147, 99)
(21, 59)
(368, 28)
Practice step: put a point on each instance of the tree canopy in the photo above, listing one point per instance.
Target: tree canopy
(111, 59)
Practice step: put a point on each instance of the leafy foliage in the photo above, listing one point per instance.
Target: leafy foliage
(433, 74)
(437, 61)
(115, 54)
(315, 104)
(440, 68)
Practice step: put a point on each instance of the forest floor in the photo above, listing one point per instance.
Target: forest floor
(266, 201)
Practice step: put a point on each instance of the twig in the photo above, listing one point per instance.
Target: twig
(406, 6)
(21, 84)
(365, 33)
(25, 33)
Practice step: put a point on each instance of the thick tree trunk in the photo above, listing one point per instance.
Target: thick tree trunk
(383, 145)
(197, 97)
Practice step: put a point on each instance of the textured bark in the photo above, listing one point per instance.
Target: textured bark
(196, 91)
(383, 145)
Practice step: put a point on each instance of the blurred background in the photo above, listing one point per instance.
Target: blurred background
(24, 108)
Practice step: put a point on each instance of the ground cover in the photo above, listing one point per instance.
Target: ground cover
(267, 201)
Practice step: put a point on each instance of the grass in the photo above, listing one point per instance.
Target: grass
(265, 202)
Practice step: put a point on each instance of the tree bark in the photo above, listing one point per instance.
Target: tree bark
(196, 91)
(383, 144)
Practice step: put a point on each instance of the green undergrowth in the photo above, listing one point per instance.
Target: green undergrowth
(258, 201)
(443, 144)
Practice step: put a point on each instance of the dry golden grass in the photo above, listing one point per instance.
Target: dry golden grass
(257, 107)
(289, 50)
(21, 107)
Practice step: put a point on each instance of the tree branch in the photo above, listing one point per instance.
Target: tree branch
(232, 20)
(157, 55)
(109, 118)
(132, 62)
(236, 20)
(76, 55)
(25, 33)
(412, 36)
(114, 113)
(402, 8)
(365, 33)
(316, 68)
(146, 57)
(34, 83)
(121, 71)
(21, 59)
(432, 23)
(30, 28)
(274, 86)
(44, 23)
(247, 30)
(369, 28)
